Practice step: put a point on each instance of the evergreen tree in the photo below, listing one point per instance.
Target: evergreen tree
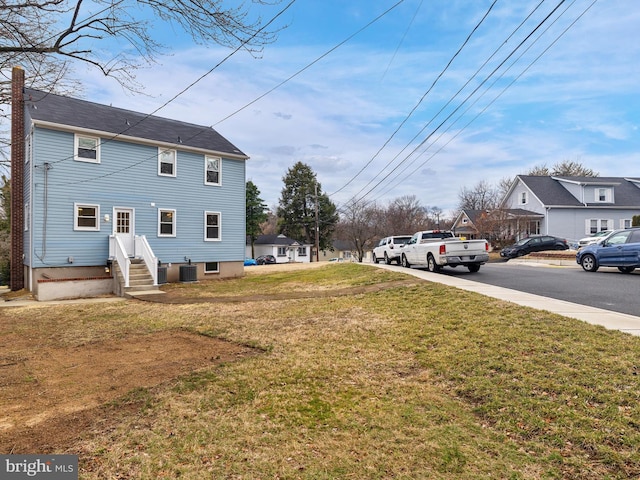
(300, 197)
(256, 213)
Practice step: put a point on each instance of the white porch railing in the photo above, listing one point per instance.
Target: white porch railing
(143, 250)
(118, 253)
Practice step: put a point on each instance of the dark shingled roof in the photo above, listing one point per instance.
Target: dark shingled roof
(551, 192)
(67, 111)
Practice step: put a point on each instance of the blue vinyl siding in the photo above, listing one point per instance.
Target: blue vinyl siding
(127, 176)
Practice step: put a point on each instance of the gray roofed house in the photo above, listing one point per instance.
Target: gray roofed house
(571, 207)
(108, 194)
(283, 248)
(121, 123)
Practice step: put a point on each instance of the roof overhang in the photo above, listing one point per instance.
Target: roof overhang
(143, 141)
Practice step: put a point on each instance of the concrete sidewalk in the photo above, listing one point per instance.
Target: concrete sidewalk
(596, 316)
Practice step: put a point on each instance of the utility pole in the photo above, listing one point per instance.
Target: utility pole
(317, 228)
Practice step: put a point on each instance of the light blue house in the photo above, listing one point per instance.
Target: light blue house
(570, 207)
(110, 193)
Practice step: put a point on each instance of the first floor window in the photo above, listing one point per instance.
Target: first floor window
(87, 149)
(211, 267)
(282, 251)
(86, 217)
(212, 226)
(596, 225)
(167, 163)
(212, 170)
(625, 223)
(302, 251)
(166, 223)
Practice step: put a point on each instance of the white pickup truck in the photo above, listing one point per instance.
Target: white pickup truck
(436, 248)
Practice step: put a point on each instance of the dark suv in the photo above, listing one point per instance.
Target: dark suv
(620, 249)
(537, 243)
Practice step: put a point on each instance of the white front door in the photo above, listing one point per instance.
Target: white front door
(124, 228)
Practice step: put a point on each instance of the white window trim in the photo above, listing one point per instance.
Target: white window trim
(608, 195)
(219, 182)
(174, 162)
(524, 198)
(212, 271)
(76, 143)
(206, 238)
(174, 222)
(626, 221)
(76, 206)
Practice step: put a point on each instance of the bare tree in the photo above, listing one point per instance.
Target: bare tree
(481, 197)
(565, 168)
(74, 30)
(405, 215)
(358, 226)
(46, 37)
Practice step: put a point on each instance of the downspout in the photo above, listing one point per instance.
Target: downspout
(17, 178)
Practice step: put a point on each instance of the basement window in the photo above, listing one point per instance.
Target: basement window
(211, 267)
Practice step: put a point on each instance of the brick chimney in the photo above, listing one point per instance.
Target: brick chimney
(17, 178)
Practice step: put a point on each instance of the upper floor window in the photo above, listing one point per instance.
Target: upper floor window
(167, 163)
(166, 223)
(524, 198)
(86, 217)
(87, 149)
(212, 226)
(212, 170)
(603, 195)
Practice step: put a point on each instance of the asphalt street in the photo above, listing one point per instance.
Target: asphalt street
(478, 282)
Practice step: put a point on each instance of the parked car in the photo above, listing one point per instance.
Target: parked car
(595, 238)
(266, 260)
(537, 243)
(620, 249)
(388, 249)
(249, 262)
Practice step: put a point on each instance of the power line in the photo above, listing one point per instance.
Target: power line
(466, 99)
(406, 119)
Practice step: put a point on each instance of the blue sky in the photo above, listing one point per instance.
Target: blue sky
(571, 92)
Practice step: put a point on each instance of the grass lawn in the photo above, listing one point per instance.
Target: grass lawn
(413, 381)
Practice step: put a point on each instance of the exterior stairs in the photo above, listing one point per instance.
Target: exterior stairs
(140, 281)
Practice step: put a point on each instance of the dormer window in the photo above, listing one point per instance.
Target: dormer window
(604, 195)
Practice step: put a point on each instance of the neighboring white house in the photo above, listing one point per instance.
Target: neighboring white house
(285, 249)
(570, 207)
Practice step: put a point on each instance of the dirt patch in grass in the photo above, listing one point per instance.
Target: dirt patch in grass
(51, 395)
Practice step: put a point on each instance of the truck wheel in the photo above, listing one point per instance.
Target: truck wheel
(375, 259)
(404, 262)
(589, 263)
(387, 260)
(473, 268)
(432, 266)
